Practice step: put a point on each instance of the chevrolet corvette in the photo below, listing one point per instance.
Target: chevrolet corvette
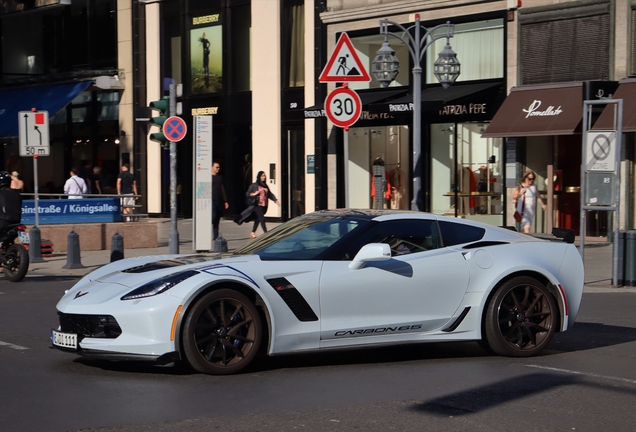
(328, 280)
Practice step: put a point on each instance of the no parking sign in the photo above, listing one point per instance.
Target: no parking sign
(174, 128)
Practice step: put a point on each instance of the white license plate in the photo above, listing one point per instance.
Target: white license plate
(24, 237)
(64, 340)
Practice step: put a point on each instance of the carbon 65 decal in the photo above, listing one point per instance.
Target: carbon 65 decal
(378, 330)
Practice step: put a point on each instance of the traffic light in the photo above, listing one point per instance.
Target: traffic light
(162, 106)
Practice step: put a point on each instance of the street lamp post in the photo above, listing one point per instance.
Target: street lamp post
(386, 66)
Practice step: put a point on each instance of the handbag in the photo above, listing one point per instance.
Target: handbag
(251, 200)
(519, 216)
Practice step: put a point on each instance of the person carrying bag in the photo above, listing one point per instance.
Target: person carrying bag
(526, 196)
(520, 205)
(256, 198)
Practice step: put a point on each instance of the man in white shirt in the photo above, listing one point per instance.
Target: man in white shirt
(75, 186)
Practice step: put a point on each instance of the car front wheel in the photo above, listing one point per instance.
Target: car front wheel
(222, 333)
(521, 318)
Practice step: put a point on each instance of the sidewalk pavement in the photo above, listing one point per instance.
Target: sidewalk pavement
(597, 253)
(235, 235)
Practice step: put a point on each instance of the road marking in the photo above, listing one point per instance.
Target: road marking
(630, 381)
(15, 347)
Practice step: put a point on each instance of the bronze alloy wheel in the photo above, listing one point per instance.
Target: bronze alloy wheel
(222, 333)
(521, 318)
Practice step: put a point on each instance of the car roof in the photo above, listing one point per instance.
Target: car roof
(365, 214)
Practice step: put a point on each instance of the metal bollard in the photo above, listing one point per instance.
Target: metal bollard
(35, 246)
(116, 247)
(73, 251)
(220, 244)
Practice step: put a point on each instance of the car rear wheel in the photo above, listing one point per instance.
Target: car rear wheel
(521, 318)
(222, 333)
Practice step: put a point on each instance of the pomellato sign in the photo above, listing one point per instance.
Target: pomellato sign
(534, 111)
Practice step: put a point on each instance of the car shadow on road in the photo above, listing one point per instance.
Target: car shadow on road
(371, 355)
(487, 397)
(585, 336)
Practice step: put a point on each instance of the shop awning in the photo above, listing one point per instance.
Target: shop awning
(539, 110)
(50, 98)
(439, 96)
(368, 98)
(627, 91)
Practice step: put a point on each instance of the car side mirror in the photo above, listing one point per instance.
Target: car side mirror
(371, 252)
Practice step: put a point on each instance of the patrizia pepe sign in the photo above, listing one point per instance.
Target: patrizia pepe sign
(535, 111)
(447, 110)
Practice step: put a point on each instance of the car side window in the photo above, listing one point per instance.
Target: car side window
(404, 237)
(457, 233)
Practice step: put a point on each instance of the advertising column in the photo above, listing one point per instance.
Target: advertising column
(202, 224)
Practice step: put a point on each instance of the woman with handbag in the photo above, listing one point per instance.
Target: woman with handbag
(257, 198)
(525, 196)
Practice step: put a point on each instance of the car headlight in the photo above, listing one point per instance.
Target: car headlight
(160, 285)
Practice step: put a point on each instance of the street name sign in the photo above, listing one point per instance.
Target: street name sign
(33, 131)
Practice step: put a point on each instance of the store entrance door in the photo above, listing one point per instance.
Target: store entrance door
(295, 172)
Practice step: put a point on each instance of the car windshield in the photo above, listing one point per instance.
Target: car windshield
(303, 238)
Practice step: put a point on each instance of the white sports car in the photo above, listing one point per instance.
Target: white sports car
(330, 279)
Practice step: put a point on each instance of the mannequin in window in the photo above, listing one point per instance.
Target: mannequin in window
(379, 183)
(397, 191)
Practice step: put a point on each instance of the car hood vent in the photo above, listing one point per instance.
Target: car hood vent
(164, 264)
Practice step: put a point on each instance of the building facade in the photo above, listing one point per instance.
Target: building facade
(254, 66)
(67, 58)
(243, 63)
(564, 52)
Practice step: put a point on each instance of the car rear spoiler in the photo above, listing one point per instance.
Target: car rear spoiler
(566, 234)
(558, 234)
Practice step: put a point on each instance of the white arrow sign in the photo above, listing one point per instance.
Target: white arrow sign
(34, 133)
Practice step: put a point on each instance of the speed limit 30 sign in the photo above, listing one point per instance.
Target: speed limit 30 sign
(343, 107)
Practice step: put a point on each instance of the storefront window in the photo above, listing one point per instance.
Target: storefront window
(466, 172)
(378, 168)
(293, 39)
(479, 47)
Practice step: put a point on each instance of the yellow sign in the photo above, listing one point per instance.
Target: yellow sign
(205, 111)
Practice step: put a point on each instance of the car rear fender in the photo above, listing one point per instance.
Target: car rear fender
(549, 283)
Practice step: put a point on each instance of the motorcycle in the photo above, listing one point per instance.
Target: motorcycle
(14, 257)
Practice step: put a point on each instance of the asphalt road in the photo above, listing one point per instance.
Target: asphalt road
(585, 381)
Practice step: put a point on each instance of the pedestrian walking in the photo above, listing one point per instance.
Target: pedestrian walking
(526, 195)
(257, 198)
(219, 199)
(126, 185)
(75, 186)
